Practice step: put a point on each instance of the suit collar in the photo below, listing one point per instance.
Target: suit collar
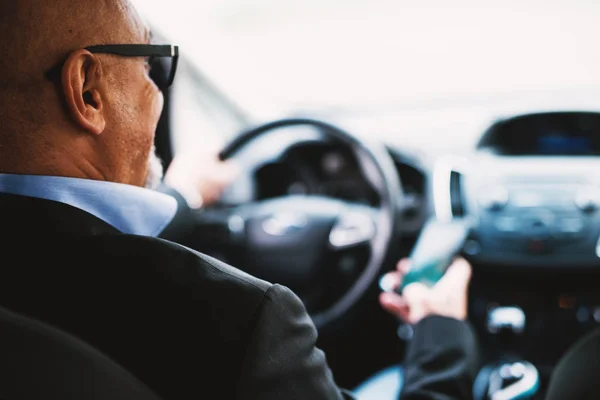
(130, 209)
(32, 216)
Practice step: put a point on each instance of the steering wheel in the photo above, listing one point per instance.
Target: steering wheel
(292, 240)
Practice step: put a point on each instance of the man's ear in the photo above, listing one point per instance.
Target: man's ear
(82, 80)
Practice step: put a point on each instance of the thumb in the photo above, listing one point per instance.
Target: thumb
(457, 276)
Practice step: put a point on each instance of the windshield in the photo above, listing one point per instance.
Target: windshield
(277, 56)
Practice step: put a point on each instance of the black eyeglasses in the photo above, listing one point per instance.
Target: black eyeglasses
(162, 59)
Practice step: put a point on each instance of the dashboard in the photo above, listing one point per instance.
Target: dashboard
(532, 187)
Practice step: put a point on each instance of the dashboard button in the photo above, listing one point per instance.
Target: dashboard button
(571, 226)
(494, 198)
(588, 199)
(507, 224)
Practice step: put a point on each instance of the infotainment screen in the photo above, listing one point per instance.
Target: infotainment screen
(546, 134)
(563, 143)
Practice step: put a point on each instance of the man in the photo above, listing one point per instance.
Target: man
(79, 228)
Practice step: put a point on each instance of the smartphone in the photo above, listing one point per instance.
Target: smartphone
(438, 245)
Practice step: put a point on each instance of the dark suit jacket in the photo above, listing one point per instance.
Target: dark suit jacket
(441, 361)
(186, 325)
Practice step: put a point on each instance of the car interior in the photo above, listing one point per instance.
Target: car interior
(529, 182)
(328, 201)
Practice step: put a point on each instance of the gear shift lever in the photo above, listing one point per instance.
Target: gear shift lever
(512, 381)
(506, 324)
(509, 319)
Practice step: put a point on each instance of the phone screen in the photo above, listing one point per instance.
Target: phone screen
(437, 246)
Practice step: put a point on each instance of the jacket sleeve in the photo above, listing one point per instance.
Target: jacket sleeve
(282, 361)
(441, 361)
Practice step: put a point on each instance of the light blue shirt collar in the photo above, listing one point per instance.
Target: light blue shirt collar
(130, 209)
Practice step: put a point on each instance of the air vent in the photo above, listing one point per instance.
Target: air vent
(457, 204)
(448, 188)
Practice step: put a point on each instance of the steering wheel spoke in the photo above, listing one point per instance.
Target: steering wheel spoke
(356, 226)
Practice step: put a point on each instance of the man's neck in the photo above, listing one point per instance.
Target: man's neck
(62, 158)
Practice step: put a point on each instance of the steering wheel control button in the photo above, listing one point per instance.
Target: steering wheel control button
(494, 198)
(353, 228)
(284, 224)
(236, 225)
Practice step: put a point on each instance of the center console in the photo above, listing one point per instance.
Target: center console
(535, 212)
(533, 188)
(531, 316)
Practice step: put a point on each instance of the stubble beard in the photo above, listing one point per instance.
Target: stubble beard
(155, 170)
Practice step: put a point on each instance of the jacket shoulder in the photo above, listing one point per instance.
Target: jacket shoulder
(174, 279)
(177, 261)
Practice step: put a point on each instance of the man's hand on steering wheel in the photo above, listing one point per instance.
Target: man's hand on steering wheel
(200, 178)
(448, 298)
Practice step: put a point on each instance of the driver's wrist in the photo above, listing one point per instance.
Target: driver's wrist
(457, 314)
(192, 197)
(425, 311)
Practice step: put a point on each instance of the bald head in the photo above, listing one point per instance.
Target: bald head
(97, 119)
(36, 35)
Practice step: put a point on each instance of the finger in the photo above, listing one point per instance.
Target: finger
(457, 276)
(391, 281)
(415, 292)
(395, 305)
(416, 297)
(403, 266)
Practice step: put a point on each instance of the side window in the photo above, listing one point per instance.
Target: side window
(201, 116)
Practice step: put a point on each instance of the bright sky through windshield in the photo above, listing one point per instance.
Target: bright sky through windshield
(275, 56)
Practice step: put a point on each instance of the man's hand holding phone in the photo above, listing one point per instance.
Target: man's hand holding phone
(447, 298)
